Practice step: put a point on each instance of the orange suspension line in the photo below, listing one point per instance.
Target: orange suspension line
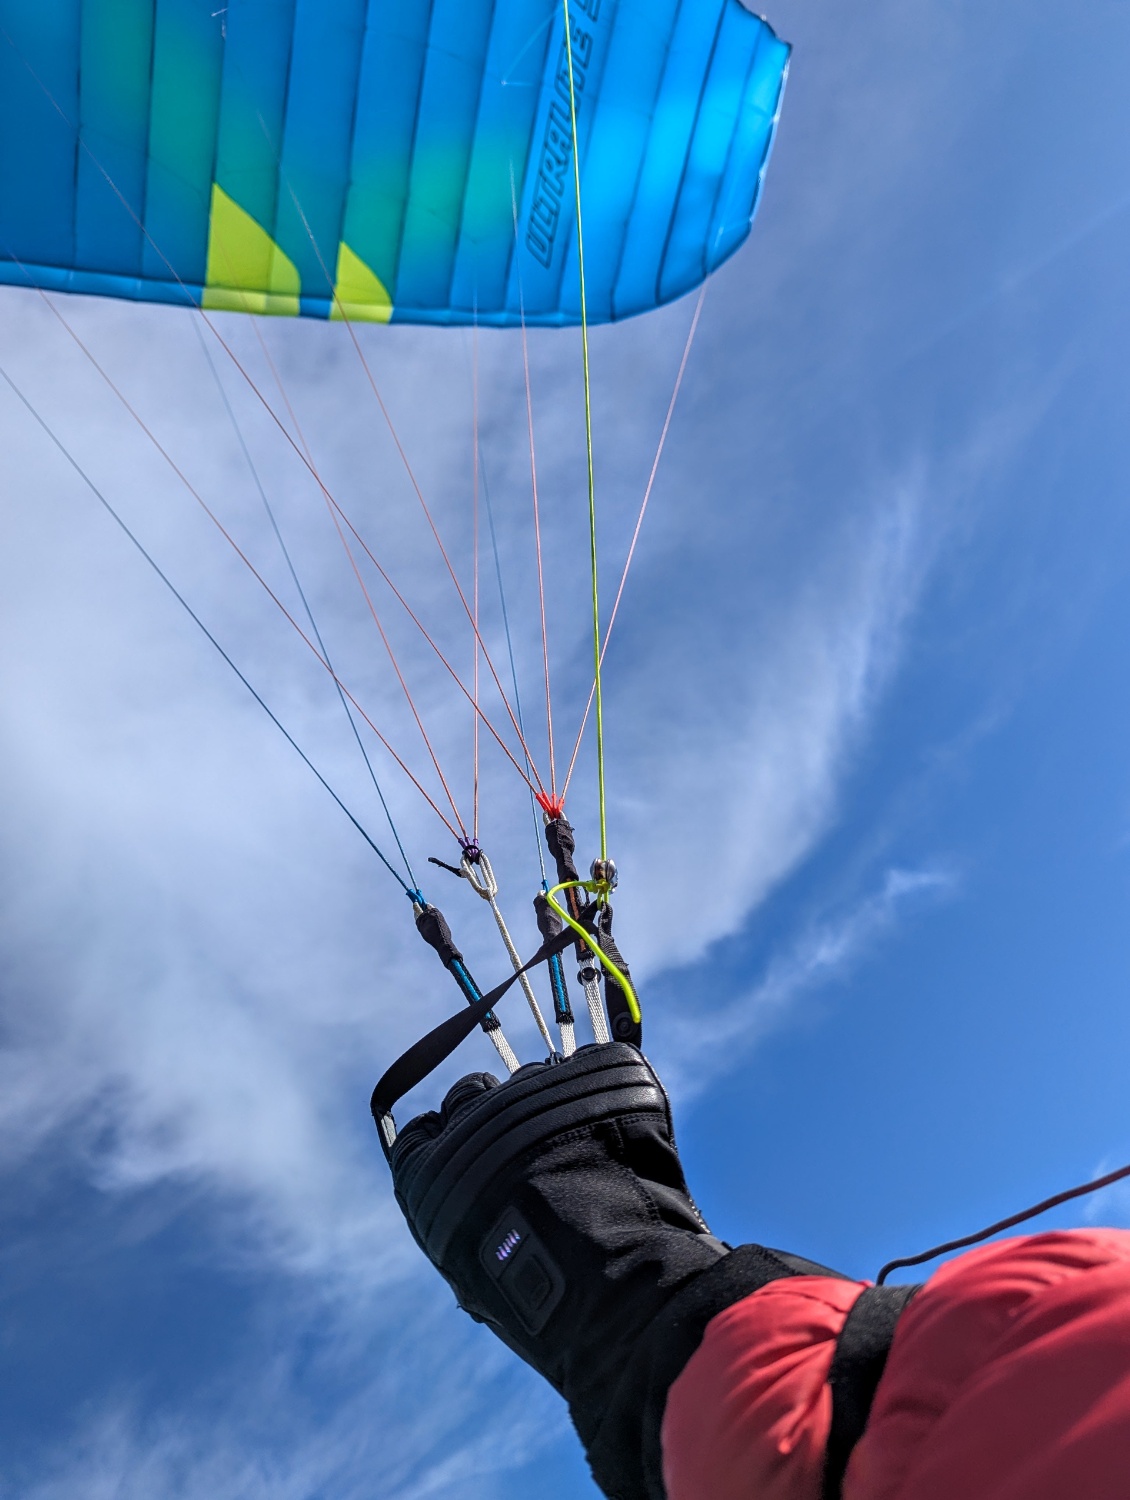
(332, 509)
(194, 302)
(179, 472)
(345, 318)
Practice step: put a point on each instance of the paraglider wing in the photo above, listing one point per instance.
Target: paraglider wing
(386, 160)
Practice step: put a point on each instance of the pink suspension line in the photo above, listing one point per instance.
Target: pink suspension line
(194, 302)
(361, 583)
(639, 522)
(345, 318)
(233, 544)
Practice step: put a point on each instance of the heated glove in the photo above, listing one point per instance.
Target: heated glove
(555, 1206)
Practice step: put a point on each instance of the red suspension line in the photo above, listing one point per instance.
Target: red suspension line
(345, 318)
(503, 746)
(195, 302)
(361, 582)
(396, 669)
(235, 546)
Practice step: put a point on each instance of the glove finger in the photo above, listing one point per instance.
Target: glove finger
(419, 1131)
(424, 1130)
(460, 1096)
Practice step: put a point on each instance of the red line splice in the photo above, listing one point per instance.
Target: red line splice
(553, 807)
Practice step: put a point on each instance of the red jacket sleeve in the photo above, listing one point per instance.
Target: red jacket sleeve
(1008, 1379)
(749, 1414)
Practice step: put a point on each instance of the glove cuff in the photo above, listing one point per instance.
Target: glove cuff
(622, 1440)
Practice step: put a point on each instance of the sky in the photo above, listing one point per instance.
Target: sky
(867, 748)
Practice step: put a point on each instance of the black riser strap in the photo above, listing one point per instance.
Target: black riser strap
(857, 1365)
(562, 843)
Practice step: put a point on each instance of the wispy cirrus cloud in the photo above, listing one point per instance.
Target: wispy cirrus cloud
(270, 1440)
(699, 1047)
(1110, 1205)
(235, 958)
(203, 969)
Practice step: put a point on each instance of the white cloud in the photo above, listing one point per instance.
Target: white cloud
(203, 968)
(758, 742)
(385, 1440)
(204, 958)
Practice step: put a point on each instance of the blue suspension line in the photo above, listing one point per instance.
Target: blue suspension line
(301, 592)
(183, 602)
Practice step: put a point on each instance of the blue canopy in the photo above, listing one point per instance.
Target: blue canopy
(404, 160)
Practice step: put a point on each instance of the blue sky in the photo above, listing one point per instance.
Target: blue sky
(868, 736)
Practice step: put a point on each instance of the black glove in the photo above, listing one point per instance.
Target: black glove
(555, 1206)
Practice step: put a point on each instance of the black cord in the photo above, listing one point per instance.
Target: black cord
(984, 1234)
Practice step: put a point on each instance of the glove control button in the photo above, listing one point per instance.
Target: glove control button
(524, 1271)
